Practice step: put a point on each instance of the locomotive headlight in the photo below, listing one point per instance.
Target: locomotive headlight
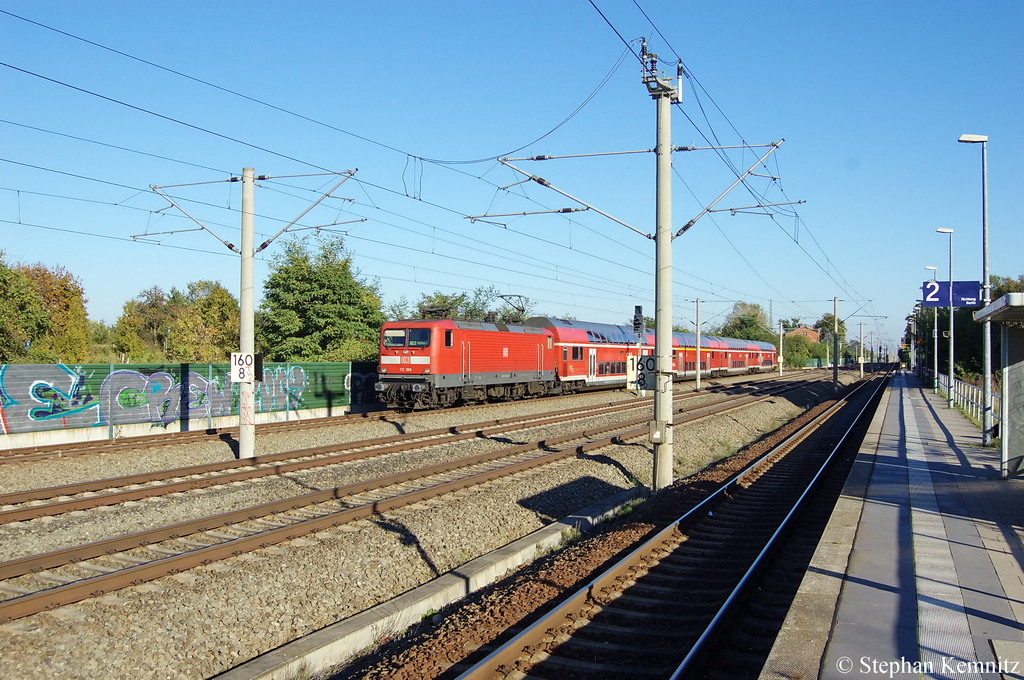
(381, 369)
(426, 371)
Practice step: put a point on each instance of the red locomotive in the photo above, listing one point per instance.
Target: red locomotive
(436, 363)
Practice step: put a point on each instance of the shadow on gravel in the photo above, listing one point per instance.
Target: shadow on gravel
(406, 537)
(231, 442)
(554, 504)
(608, 460)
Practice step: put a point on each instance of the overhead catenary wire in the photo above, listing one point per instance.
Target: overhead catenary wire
(628, 47)
(417, 191)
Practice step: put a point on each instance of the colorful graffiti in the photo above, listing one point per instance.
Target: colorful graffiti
(37, 397)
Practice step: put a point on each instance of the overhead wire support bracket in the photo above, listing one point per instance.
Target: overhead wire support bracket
(747, 208)
(231, 246)
(202, 227)
(732, 146)
(774, 147)
(544, 183)
(474, 218)
(348, 174)
(578, 155)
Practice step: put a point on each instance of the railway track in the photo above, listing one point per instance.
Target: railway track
(659, 611)
(230, 434)
(38, 582)
(33, 503)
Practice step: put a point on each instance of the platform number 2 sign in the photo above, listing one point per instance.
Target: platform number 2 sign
(242, 365)
(931, 291)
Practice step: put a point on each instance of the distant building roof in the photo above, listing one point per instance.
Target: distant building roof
(808, 333)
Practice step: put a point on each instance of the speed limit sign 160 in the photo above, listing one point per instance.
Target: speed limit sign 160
(242, 367)
(646, 376)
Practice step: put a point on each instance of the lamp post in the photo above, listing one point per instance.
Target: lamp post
(935, 341)
(949, 392)
(986, 290)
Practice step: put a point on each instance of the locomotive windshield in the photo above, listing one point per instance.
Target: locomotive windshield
(406, 337)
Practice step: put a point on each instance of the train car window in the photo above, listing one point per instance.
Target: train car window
(419, 337)
(565, 353)
(449, 337)
(394, 337)
(549, 342)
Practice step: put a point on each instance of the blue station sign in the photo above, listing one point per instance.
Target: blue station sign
(965, 294)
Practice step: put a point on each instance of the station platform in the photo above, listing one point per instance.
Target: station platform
(919, 572)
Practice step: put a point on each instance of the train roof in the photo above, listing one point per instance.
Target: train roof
(538, 324)
(546, 322)
(462, 323)
(682, 339)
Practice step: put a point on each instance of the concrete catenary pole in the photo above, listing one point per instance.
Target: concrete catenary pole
(247, 333)
(860, 350)
(664, 91)
(663, 294)
(697, 364)
(779, 353)
(835, 343)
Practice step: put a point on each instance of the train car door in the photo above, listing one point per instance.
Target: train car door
(592, 364)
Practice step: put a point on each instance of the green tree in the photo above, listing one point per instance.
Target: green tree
(127, 338)
(316, 309)
(399, 309)
(206, 323)
(66, 337)
(22, 317)
(156, 316)
(824, 326)
(474, 306)
(795, 350)
(101, 344)
(747, 321)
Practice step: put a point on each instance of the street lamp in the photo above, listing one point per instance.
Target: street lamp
(935, 341)
(949, 392)
(986, 288)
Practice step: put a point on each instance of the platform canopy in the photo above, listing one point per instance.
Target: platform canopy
(1010, 307)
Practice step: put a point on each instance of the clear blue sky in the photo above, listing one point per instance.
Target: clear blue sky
(870, 98)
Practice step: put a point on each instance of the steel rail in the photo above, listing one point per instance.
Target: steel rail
(47, 451)
(52, 559)
(270, 465)
(533, 640)
(699, 646)
(91, 587)
(32, 603)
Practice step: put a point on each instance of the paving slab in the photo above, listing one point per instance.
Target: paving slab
(919, 573)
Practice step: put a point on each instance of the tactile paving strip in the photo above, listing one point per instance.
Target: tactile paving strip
(944, 633)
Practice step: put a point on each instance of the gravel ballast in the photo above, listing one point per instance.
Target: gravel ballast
(206, 620)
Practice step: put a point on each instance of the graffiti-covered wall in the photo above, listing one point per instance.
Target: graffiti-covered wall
(37, 397)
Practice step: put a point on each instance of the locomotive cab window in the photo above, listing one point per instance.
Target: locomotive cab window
(449, 337)
(394, 337)
(406, 337)
(419, 337)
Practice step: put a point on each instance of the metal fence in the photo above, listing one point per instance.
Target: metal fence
(45, 397)
(970, 398)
